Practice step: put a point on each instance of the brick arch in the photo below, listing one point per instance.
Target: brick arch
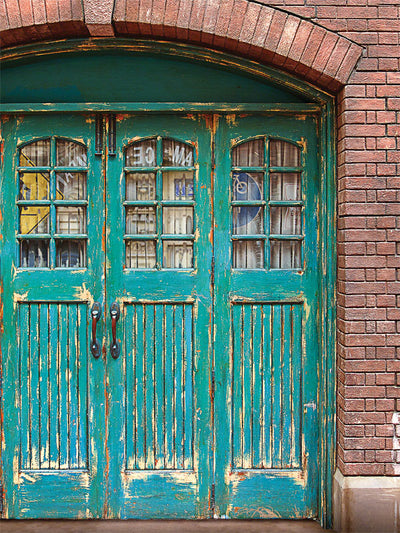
(243, 27)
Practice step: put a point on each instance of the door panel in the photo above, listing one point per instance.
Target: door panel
(51, 267)
(266, 290)
(160, 423)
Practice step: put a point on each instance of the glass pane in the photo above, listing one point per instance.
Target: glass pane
(142, 154)
(178, 254)
(71, 254)
(286, 220)
(70, 154)
(34, 219)
(36, 154)
(248, 254)
(285, 254)
(178, 185)
(247, 186)
(140, 220)
(285, 186)
(140, 186)
(34, 254)
(140, 254)
(177, 154)
(71, 220)
(178, 220)
(283, 154)
(247, 220)
(71, 186)
(34, 186)
(249, 154)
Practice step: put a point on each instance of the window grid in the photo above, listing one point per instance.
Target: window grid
(50, 237)
(265, 203)
(160, 238)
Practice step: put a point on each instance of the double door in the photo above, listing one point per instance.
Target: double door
(160, 309)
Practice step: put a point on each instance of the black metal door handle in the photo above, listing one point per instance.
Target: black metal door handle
(115, 347)
(95, 345)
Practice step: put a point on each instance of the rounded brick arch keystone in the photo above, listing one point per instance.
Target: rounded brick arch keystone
(241, 27)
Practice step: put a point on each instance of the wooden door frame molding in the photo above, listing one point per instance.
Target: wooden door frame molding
(322, 104)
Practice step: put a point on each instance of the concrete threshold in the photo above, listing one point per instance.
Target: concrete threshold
(160, 526)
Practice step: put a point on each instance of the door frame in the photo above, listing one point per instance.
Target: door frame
(321, 104)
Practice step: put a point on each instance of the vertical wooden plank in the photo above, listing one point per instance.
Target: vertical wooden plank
(267, 385)
(237, 415)
(83, 355)
(73, 386)
(247, 386)
(179, 390)
(276, 387)
(286, 393)
(140, 388)
(53, 386)
(63, 379)
(169, 388)
(35, 390)
(159, 460)
(44, 456)
(296, 379)
(149, 394)
(257, 378)
(188, 385)
(25, 384)
(130, 387)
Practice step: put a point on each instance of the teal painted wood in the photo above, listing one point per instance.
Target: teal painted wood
(54, 431)
(164, 329)
(243, 489)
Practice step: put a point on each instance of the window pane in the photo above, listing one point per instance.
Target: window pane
(283, 154)
(178, 220)
(34, 254)
(247, 220)
(178, 254)
(178, 185)
(140, 186)
(140, 220)
(71, 186)
(285, 254)
(247, 186)
(248, 254)
(71, 220)
(140, 254)
(142, 154)
(286, 220)
(177, 154)
(36, 154)
(70, 154)
(285, 186)
(34, 219)
(249, 154)
(71, 254)
(34, 186)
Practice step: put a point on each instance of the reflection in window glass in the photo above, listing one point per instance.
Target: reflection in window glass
(283, 154)
(71, 253)
(34, 253)
(140, 220)
(34, 185)
(178, 220)
(71, 220)
(36, 154)
(71, 186)
(142, 154)
(178, 254)
(70, 154)
(34, 219)
(140, 254)
(285, 254)
(177, 154)
(247, 186)
(247, 220)
(285, 186)
(249, 154)
(248, 254)
(178, 185)
(286, 220)
(140, 186)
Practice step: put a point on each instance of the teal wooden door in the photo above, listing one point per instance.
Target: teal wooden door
(266, 319)
(53, 459)
(159, 274)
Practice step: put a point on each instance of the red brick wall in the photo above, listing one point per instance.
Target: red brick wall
(368, 137)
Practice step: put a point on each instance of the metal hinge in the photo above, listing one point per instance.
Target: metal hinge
(212, 499)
